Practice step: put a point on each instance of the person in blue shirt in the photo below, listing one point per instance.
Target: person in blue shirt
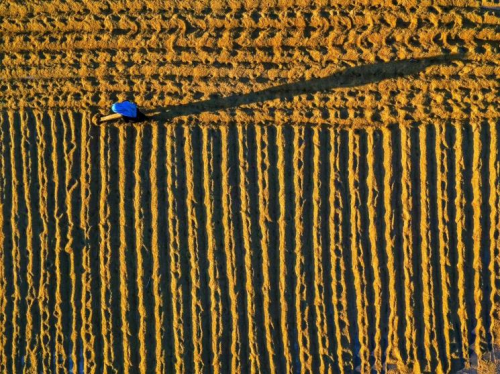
(129, 111)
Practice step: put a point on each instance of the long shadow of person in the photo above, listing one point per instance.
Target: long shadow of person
(350, 77)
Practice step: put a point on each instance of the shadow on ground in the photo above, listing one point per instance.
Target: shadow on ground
(351, 77)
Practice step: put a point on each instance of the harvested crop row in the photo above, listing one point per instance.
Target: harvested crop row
(259, 18)
(430, 38)
(370, 178)
(317, 189)
(188, 62)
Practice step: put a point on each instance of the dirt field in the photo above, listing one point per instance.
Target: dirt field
(318, 189)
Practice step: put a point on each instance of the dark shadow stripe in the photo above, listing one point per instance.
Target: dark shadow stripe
(274, 247)
(307, 245)
(380, 209)
(129, 140)
(62, 132)
(113, 202)
(349, 77)
(289, 135)
(165, 276)
(485, 233)
(145, 200)
(326, 175)
(93, 241)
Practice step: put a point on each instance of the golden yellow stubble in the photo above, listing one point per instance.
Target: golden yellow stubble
(283, 272)
(61, 359)
(3, 281)
(88, 338)
(43, 297)
(430, 341)
(444, 234)
(341, 318)
(16, 255)
(477, 201)
(301, 308)
(105, 250)
(155, 251)
(494, 266)
(139, 247)
(193, 245)
(408, 246)
(358, 250)
(255, 357)
(461, 249)
(69, 155)
(31, 346)
(325, 357)
(393, 352)
(261, 134)
(229, 250)
(174, 251)
(215, 292)
(372, 203)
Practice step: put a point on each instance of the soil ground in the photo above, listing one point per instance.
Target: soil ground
(317, 187)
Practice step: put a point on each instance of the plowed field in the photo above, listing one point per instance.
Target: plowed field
(318, 189)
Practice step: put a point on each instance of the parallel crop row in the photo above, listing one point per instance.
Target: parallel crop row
(260, 248)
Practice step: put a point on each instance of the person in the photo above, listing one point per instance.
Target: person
(129, 111)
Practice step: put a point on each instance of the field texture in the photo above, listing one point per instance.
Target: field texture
(318, 189)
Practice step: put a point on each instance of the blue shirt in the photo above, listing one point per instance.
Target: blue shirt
(125, 108)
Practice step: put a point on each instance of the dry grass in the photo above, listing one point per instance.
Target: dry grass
(318, 189)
